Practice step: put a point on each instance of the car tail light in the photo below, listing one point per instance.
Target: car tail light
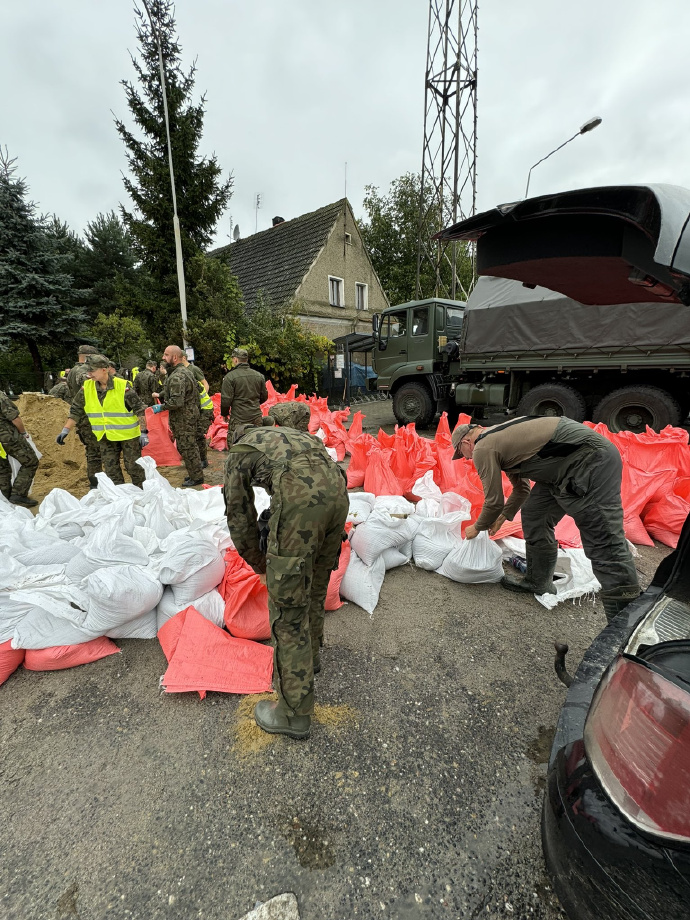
(637, 739)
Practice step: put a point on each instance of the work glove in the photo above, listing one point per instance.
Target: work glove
(157, 409)
(62, 436)
(144, 439)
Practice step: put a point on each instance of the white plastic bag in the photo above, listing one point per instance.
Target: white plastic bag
(362, 583)
(436, 538)
(381, 531)
(200, 582)
(475, 561)
(118, 594)
(183, 555)
(397, 555)
(210, 605)
(576, 578)
(361, 505)
(143, 627)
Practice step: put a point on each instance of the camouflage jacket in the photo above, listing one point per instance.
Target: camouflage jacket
(8, 412)
(75, 379)
(261, 458)
(61, 390)
(145, 384)
(242, 392)
(290, 415)
(181, 396)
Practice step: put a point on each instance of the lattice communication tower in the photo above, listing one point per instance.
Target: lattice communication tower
(449, 159)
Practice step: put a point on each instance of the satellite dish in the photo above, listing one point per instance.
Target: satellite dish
(236, 233)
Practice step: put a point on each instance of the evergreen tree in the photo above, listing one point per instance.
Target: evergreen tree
(37, 304)
(201, 195)
(390, 235)
(107, 264)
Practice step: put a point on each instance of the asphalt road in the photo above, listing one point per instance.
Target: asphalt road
(417, 796)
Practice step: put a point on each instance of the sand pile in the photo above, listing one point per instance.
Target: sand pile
(61, 467)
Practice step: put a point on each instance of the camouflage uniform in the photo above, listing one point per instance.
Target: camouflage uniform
(75, 381)
(15, 445)
(309, 506)
(145, 384)
(181, 397)
(241, 394)
(61, 390)
(112, 451)
(205, 416)
(289, 415)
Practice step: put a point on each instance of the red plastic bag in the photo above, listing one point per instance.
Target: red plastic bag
(59, 657)
(639, 488)
(333, 601)
(665, 517)
(378, 476)
(160, 445)
(358, 460)
(246, 599)
(568, 533)
(202, 657)
(10, 659)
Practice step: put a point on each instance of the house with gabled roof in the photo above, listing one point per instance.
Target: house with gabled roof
(317, 262)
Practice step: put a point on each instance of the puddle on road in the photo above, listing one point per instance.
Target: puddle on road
(538, 750)
(311, 844)
(67, 904)
(250, 739)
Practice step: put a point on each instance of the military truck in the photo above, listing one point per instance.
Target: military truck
(607, 338)
(535, 352)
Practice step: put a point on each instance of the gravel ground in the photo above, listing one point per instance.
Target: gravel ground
(418, 794)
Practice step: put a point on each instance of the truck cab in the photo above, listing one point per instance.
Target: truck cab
(409, 344)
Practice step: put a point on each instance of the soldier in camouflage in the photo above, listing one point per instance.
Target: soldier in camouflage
(289, 415)
(146, 382)
(61, 390)
(75, 380)
(205, 409)
(125, 445)
(14, 443)
(241, 393)
(181, 398)
(309, 506)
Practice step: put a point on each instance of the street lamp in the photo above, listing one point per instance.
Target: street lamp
(588, 126)
(176, 219)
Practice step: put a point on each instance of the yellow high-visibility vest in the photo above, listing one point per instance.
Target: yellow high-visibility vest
(205, 400)
(112, 418)
(135, 371)
(3, 453)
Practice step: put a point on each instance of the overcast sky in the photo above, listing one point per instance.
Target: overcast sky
(296, 90)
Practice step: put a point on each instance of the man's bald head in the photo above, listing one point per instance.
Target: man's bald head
(173, 355)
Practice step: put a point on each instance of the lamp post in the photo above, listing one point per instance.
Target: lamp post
(176, 219)
(588, 126)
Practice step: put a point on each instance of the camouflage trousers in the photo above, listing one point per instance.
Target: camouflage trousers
(18, 447)
(308, 513)
(205, 421)
(93, 451)
(188, 447)
(129, 451)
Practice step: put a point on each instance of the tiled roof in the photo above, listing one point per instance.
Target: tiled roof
(275, 261)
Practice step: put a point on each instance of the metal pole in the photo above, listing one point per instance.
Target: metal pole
(176, 220)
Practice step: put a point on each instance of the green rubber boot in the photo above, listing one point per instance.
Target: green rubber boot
(272, 718)
(616, 600)
(538, 578)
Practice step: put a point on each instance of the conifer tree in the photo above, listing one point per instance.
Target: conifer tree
(201, 194)
(37, 304)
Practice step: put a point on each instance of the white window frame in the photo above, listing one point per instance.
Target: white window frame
(340, 287)
(360, 285)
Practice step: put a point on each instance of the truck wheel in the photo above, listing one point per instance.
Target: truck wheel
(553, 399)
(633, 408)
(413, 403)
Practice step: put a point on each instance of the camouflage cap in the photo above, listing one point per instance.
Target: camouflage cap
(291, 415)
(151, 363)
(95, 361)
(87, 350)
(267, 421)
(240, 353)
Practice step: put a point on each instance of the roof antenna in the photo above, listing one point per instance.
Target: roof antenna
(256, 211)
(346, 178)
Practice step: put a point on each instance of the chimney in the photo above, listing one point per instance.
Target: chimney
(278, 220)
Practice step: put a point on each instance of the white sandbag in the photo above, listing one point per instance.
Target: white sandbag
(512, 546)
(183, 555)
(32, 547)
(50, 616)
(143, 627)
(436, 538)
(382, 530)
(210, 605)
(394, 504)
(362, 583)
(114, 492)
(15, 575)
(426, 488)
(119, 593)
(206, 504)
(361, 506)
(428, 508)
(15, 465)
(63, 512)
(200, 582)
(452, 503)
(148, 539)
(573, 578)
(105, 546)
(475, 561)
(397, 555)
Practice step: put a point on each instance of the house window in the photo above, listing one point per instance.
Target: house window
(362, 296)
(335, 292)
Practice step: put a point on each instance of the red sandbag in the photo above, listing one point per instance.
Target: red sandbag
(568, 533)
(10, 659)
(358, 460)
(665, 517)
(333, 601)
(202, 657)
(246, 599)
(639, 488)
(59, 657)
(378, 476)
(160, 445)
(355, 429)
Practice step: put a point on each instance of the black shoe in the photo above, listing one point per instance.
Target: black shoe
(190, 483)
(269, 716)
(204, 464)
(23, 500)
